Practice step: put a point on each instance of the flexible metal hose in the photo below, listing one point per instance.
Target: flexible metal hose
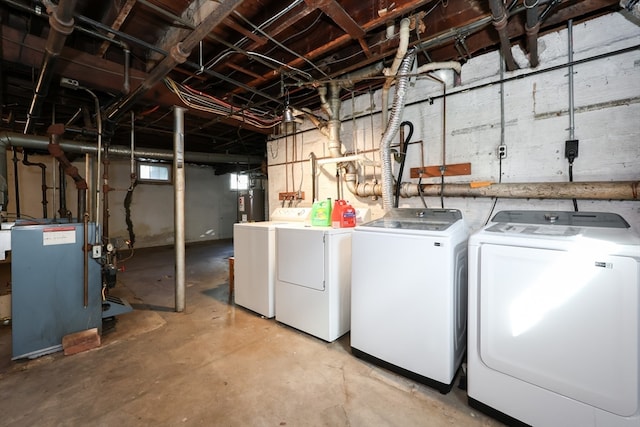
(392, 128)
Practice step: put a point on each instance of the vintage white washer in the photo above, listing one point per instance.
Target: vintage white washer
(408, 293)
(554, 319)
(254, 250)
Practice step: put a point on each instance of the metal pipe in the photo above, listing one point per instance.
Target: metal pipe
(132, 161)
(63, 211)
(595, 190)
(61, 23)
(96, 102)
(85, 249)
(532, 27)
(313, 161)
(500, 21)
(547, 11)
(178, 182)
(608, 190)
(570, 72)
(54, 148)
(105, 194)
(40, 142)
(43, 172)
(15, 182)
(126, 84)
(178, 55)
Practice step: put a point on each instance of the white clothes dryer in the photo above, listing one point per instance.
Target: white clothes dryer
(554, 319)
(254, 250)
(408, 293)
(313, 283)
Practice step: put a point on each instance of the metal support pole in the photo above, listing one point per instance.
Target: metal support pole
(178, 183)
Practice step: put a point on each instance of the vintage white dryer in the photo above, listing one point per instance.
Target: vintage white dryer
(409, 293)
(554, 319)
(313, 283)
(254, 250)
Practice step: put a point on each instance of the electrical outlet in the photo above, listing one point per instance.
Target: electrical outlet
(96, 251)
(69, 83)
(502, 151)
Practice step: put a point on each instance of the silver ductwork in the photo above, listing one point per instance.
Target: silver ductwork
(392, 129)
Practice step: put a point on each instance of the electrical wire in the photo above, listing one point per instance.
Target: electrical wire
(575, 202)
(420, 193)
(204, 102)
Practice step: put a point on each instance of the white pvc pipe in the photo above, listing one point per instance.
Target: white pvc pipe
(178, 185)
(351, 158)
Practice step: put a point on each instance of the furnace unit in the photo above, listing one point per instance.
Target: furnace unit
(48, 289)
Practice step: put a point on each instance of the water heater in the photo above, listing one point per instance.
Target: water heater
(251, 205)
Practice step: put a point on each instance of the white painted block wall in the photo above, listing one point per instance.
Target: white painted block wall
(210, 206)
(536, 126)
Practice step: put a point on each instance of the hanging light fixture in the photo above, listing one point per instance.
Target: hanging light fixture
(287, 114)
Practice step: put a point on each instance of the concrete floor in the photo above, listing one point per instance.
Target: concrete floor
(215, 364)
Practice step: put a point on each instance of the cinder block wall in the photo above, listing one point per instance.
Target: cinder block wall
(210, 206)
(535, 126)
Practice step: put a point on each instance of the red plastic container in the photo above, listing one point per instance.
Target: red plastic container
(343, 215)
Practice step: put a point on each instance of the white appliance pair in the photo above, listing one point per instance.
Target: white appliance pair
(254, 247)
(408, 293)
(554, 319)
(313, 284)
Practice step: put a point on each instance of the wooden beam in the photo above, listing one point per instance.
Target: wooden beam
(332, 9)
(261, 41)
(400, 10)
(117, 23)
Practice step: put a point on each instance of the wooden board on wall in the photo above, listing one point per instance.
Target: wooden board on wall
(449, 170)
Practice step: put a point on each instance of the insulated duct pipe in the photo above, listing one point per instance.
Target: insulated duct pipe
(41, 143)
(532, 27)
(500, 21)
(178, 55)
(596, 190)
(335, 147)
(61, 23)
(178, 177)
(392, 129)
(612, 190)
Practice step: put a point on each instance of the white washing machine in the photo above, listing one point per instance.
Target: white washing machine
(254, 250)
(408, 293)
(313, 284)
(554, 319)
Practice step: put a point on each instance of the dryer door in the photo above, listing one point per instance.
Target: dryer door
(300, 258)
(566, 321)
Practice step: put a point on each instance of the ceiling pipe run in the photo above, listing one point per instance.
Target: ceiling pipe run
(178, 55)
(61, 25)
(41, 142)
(13, 139)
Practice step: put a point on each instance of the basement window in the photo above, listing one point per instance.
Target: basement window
(154, 173)
(239, 181)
